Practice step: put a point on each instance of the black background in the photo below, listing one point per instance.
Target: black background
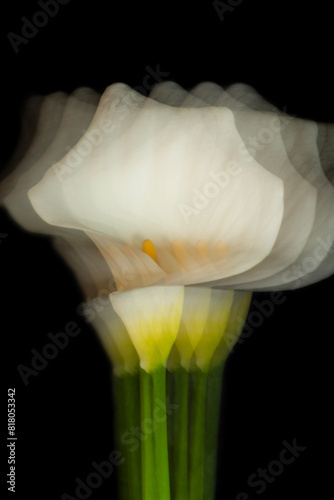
(279, 381)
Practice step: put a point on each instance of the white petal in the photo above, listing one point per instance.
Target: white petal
(221, 302)
(261, 133)
(88, 265)
(130, 267)
(315, 262)
(156, 174)
(159, 164)
(152, 317)
(61, 123)
(114, 338)
(196, 304)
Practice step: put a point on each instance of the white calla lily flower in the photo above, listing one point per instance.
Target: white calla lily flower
(210, 188)
(170, 210)
(186, 179)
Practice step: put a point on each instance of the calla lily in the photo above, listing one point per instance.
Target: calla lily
(185, 179)
(171, 210)
(166, 136)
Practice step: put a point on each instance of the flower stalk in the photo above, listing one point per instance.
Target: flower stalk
(160, 434)
(175, 404)
(212, 426)
(178, 433)
(198, 388)
(149, 478)
(127, 406)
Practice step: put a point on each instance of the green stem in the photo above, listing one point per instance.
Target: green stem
(171, 422)
(131, 399)
(149, 487)
(126, 419)
(179, 427)
(197, 435)
(160, 434)
(119, 416)
(213, 412)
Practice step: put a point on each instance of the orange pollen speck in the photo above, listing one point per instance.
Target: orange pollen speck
(180, 253)
(221, 251)
(149, 248)
(202, 252)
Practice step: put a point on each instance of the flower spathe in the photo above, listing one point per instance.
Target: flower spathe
(152, 318)
(189, 149)
(183, 176)
(203, 324)
(215, 328)
(196, 305)
(116, 340)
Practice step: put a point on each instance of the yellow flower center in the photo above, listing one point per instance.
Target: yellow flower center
(199, 255)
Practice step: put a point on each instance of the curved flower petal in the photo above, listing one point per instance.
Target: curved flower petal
(14, 187)
(221, 302)
(88, 265)
(195, 312)
(172, 94)
(310, 154)
(230, 191)
(167, 202)
(130, 267)
(325, 142)
(115, 340)
(287, 148)
(61, 122)
(315, 261)
(152, 317)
